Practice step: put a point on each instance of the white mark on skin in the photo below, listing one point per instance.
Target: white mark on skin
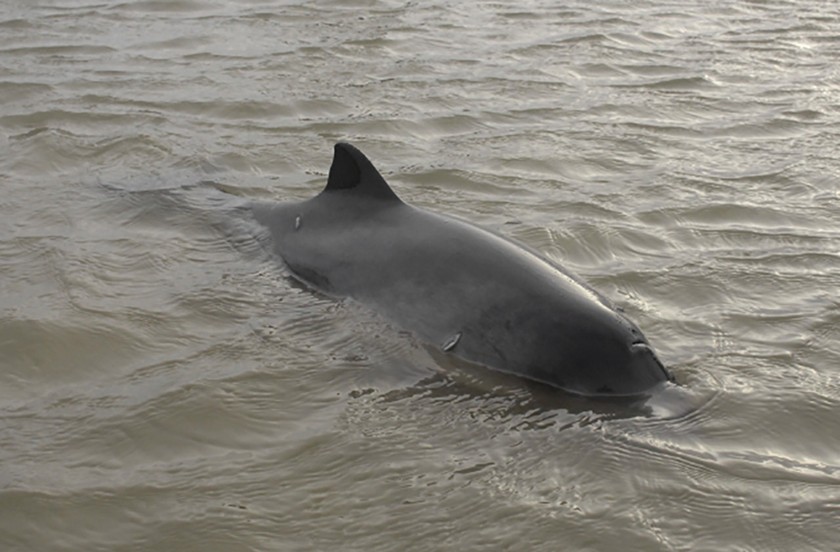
(450, 344)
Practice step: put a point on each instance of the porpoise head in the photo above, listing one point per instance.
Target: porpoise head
(602, 353)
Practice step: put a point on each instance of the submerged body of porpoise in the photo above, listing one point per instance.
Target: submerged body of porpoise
(469, 291)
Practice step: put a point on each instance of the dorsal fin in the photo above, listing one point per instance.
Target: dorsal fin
(351, 170)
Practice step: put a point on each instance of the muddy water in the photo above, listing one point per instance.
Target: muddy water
(164, 385)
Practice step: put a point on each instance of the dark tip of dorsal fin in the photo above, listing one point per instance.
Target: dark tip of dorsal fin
(351, 170)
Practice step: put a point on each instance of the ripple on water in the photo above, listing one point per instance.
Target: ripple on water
(165, 385)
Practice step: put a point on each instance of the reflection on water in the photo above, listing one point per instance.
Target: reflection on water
(165, 385)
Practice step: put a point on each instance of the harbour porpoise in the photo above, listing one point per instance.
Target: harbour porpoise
(468, 291)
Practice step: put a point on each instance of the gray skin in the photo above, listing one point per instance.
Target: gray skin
(470, 292)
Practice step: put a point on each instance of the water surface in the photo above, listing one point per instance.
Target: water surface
(165, 386)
